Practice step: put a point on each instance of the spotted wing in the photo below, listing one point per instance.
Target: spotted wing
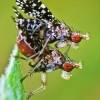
(19, 17)
(17, 13)
(36, 9)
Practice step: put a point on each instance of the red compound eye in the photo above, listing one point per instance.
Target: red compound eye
(67, 67)
(76, 38)
(24, 46)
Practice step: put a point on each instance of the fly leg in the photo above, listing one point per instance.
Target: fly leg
(39, 53)
(44, 46)
(40, 29)
(32, 71)
(68, 49)
(35, 29)
(41, 88)
(66, 54)
(19, 57)
(41, 36)
(31, 56)
(27, 57)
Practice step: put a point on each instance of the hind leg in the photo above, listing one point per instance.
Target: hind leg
(27, 57)
(32, 71)
(41, 88)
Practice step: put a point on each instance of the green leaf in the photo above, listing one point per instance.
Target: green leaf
(10, 86)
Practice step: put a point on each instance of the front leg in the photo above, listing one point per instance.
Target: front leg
(41, 88)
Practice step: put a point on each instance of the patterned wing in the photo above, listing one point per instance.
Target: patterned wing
(17, 13)
(35, 8)
(19, 19)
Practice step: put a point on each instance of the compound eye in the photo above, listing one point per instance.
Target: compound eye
(67, 66)
(76, 38)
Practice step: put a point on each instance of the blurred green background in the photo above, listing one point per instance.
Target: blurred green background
(82, 15)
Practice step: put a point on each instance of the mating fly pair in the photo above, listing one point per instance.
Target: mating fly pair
(36, 33)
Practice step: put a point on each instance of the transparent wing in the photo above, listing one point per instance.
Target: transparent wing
(36, 9)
